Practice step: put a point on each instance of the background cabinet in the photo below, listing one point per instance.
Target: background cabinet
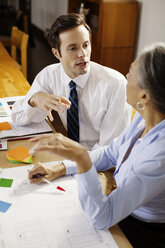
(113, 24)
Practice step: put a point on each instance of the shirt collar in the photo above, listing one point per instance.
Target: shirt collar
(155, 130)
(80, 80)
(151, 135)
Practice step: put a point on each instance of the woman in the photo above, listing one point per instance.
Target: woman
(138, 202)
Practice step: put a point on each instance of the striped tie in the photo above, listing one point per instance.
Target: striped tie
(72, 114)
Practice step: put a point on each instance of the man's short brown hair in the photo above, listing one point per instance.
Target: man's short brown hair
(63, 23)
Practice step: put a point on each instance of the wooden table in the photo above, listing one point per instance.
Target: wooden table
(13, 83)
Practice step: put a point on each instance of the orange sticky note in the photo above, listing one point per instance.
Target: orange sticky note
(19, 153)
(27, 160)
(5, 126)
(10, 158)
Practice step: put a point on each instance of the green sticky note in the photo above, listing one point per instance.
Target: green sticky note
(5, 182)
(15, 162)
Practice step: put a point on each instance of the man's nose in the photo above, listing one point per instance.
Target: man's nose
(81, 52)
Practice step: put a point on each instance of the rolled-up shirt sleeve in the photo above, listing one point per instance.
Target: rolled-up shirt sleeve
(22, 113)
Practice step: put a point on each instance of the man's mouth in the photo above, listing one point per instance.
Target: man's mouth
(82, 64)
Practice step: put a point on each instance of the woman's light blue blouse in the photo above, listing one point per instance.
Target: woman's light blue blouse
(140, 178)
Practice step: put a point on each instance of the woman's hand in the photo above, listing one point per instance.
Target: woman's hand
(49, 172)
(65, 147)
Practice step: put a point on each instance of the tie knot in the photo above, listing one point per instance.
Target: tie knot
(72, 85)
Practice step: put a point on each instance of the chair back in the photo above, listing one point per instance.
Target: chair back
(19, 40)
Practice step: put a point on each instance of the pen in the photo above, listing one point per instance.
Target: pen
(48, 182)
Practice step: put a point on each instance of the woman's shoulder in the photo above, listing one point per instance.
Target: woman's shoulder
(151, 148)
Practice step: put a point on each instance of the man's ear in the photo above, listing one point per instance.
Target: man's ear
(56, 53)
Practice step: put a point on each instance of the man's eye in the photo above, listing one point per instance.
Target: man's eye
(72, 48)
(86, 45)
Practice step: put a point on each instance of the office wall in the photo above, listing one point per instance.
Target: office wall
(151, 23)
(44, 12)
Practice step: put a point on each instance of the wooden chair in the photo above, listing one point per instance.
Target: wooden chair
(5, 40)
(19, 43)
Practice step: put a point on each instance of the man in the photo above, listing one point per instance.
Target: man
(102, 109)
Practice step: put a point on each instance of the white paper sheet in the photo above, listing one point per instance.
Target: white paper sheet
(8, 102)
(17, 131)
(43, 217)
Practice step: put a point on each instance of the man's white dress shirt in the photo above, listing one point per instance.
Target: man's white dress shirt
(103, 111)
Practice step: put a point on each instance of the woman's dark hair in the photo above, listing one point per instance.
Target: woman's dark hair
(63, 23)
(152, 74)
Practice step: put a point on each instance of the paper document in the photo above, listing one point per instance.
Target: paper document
(28, 130)
(6, 104)
(17, 131)
(42, 217)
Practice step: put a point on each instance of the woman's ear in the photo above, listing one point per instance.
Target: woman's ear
(56, 53)
(145, 96)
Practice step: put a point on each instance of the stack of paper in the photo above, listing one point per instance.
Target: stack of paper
(8, 129)
(19, 154)
(3, 112)
(6, 105)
